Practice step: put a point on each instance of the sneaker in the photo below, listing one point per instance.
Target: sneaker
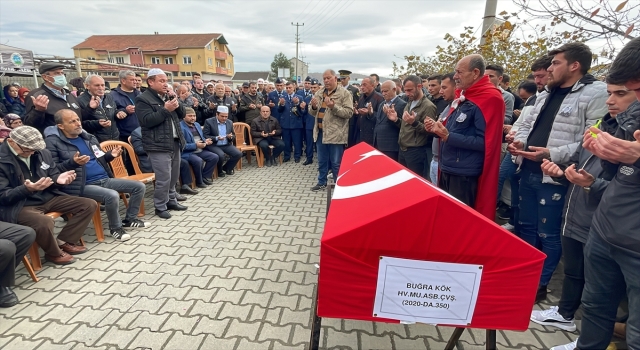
(120, 235)
(508, 227)
(136, 223)
(318, 187)
(551, 317)
(570, 346)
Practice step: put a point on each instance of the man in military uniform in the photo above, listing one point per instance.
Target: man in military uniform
(274, 98)
(354, 129)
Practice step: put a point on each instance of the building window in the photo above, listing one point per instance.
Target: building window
(210, 61)
(217, 63)
(120, 60)
(228, 65)
(185, 74)
(155, 60)
(209, 47)
(168, 60)
(91, 58)
(186, 59)
(110, 59)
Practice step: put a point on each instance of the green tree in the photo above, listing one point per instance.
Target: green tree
(280, 60)
(513, 45)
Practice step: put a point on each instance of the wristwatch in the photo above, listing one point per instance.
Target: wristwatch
(588, 188)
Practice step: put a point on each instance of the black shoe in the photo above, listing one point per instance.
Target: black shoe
(503, 211)
(221, 174)
(180, 198)
(318, 187)
(207, 182)
(176, 207)
(164, 214)
(269, 162)
(185, 189)
(307, 162)
(285, 160)
(230, 172)
(202, 185)
(102, 207)
(7, 297)
(541, 294)
(275, 161)
(297, 160)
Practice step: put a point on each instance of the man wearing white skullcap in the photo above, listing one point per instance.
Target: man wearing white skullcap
(220, 130)
(159, 113)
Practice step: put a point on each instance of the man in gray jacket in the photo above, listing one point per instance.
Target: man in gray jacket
(574, 100)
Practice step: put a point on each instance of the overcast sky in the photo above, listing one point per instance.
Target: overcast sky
(362, 36)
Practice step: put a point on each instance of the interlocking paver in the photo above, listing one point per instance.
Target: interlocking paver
(238, 275)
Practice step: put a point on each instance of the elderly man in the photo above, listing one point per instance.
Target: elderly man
(386, 131)
(413, 139)
(553, 130)
(42, 103)
(15, 241)
(470, 138)
(159, 113)
(194, 151)
(74, 149)
(30, 186)
(220, 98)
(220, 131)
(98, 110)
(332, 107)
(266, 131)
(290, 107)
(368, 106)
(250, 104)
(124, 97)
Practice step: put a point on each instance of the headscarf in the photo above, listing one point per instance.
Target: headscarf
(21, 92)
(8, 118)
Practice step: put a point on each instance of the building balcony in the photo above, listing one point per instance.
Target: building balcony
(166, 67)
(221, 70)
(221, 55)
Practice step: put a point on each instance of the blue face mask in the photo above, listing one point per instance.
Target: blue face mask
(60, 81)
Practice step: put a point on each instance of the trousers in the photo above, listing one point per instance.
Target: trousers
(15, 241)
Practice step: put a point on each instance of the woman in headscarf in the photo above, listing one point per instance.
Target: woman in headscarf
(5, 125)
(11, 100)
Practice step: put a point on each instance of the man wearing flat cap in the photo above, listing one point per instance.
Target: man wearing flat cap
(159, 114)
(30, 187)
(42, 103)
(220, 131)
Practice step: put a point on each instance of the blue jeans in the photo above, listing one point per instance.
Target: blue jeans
(106, 190)
(328, 155)
(606, 271)
(292, 137)
(433, 174)
(515, 202)
(507, 169)
(541, 219)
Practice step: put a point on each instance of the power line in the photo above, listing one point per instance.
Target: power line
(305, 8)
(322, 13)
(328, 20)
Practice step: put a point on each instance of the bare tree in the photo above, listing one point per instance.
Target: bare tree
(593, 19)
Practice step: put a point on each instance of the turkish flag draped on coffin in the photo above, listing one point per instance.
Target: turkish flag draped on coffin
(379, 208)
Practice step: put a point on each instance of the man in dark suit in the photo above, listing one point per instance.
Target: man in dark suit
(220, 131)
(386, 132)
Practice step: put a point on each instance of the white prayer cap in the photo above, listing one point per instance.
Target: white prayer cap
(154, 72)
(223, 109)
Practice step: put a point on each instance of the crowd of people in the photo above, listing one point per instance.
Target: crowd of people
(564, 143)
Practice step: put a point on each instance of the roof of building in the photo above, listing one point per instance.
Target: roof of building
(149, 42)
(250, 76)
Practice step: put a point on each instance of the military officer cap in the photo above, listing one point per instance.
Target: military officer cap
(314, 82)
(279, 81)
(308, 78)
(245, 84)
(344, 74)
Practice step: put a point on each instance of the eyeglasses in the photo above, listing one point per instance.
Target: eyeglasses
(25, 150)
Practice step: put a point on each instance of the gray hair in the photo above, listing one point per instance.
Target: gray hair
(123, 74)
(333, 73)
(87, 80)
(477, 61)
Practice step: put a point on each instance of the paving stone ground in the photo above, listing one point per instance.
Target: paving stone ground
(235, 271)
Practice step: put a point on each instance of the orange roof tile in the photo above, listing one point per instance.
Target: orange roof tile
(148, 42)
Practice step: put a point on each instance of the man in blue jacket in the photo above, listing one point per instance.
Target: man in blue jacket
(194, 151)
(290, 110)
(309, 121)
(274, 97)
(74, 149)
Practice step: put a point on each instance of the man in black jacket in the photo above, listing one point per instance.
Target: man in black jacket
(159, 113)
(220, 130)
(30, 187)
(98, 110)
(74, 149)
(15, 241)
(42, 103)
(266, 131)
(386, 132)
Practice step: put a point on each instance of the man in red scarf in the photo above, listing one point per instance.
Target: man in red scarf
(470, 138)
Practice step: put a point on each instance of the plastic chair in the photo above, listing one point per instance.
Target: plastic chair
(120, 171)
(271, 147)
(243, 146)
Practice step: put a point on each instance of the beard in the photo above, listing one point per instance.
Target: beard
(556, 81)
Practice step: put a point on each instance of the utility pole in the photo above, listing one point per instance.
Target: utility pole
(488, 19)
(303, 63)
(297, 43)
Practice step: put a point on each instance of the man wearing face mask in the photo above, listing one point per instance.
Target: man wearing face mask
(42, 103)
(98, 110)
